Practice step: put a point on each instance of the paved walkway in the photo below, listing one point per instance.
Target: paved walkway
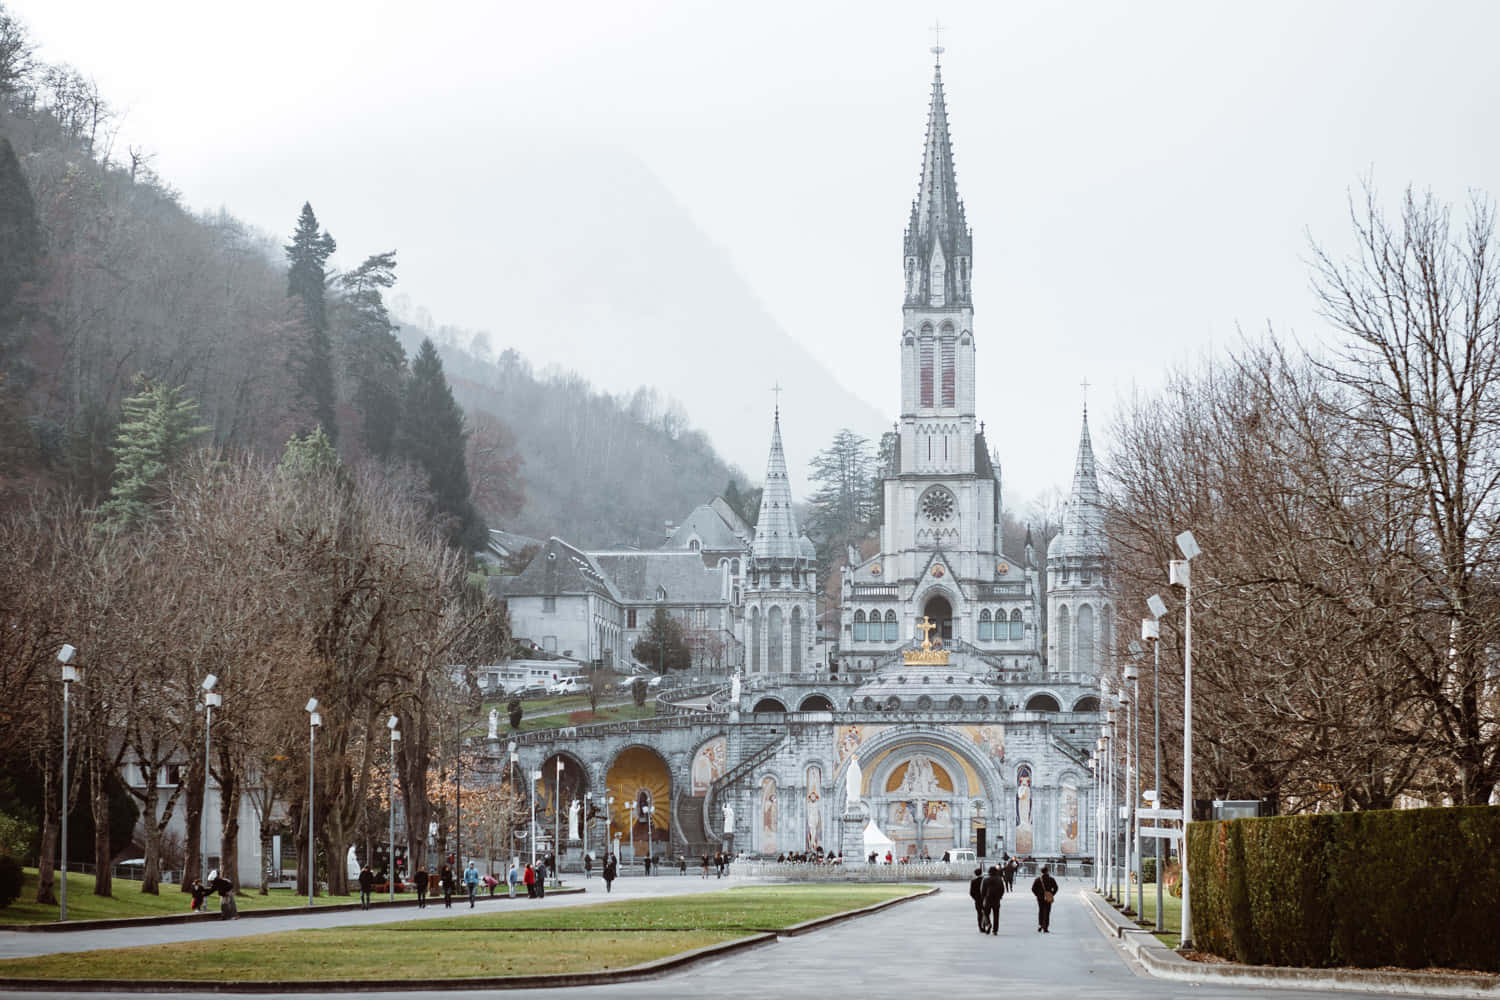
(925, 948)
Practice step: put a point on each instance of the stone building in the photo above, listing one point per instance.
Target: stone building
(942, 724)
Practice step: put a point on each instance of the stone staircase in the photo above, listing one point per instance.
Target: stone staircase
(708, 806)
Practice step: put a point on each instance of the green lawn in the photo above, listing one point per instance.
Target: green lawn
(565, 939)
(1172, 913)
(129, 901)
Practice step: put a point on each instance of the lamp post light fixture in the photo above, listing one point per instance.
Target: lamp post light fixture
(314, 720)
(70, 675)
(1133, 785)
(1151, 632)
(1182, 575)
(390, 875)
(211, 701)
(557, 812)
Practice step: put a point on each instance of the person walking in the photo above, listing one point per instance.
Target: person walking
(228, 908)
(611, 870)
(529, 877)
(588, 865)
(541, 878)
(1045, 891)
(513, 876)
(977, 895)
(421, 883)
(366, 884)
(991, 891)
(471, 882)
(445, 882)
(1012, 865)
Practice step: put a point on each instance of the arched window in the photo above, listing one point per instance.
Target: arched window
(859, 626)
(1085, 640)
(734, 567)
(986, 627)
(694, 545)
(1017, 626)
(925, 369)
(950, 375)
(796, 644)
(1064, 640)
(754, 640)
(775, 661)
(890, 627)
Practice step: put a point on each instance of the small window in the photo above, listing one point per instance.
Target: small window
(549, 605)
(986, 626)
(859, 626)
(1085, 576)
(630, 618)
(1017, 626)
(890, 627)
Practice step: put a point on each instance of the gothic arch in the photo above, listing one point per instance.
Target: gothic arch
(794, 628)
(775, 658)
(883, 745)
(1086, 661)
(1064, 639)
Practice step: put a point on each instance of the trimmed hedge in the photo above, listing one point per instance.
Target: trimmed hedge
(1412, 888)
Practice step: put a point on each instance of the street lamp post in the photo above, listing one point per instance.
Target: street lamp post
(510, 797)
(1102, 811)
(609, 823)
(314, 720)
(535, 777)
(1151, 631)
(210, 702)
(1133, 782)
(458, 823)
(583, 828)
(1182, 575)
(1107, 731)
(390, 875)
(646, 811)
(632, 830)
(70, 676)
(557, 810)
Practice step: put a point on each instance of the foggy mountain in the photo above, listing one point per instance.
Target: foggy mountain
(592, 265)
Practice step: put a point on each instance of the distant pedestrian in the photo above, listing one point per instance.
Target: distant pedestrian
(1012, 865)
(542, 871)
(588, 865)
(366, 884)
(990, 893)
(199, 892)
(611, 870)
(977, 895)
(646, 864)
(705, 864)
(1045, 891)
(471, 882)
(529, 877)
(513, 876)
(422, 887)
(445, 882)
(682, 863)
(228, 909)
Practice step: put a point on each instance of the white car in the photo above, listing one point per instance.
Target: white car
(568, 685)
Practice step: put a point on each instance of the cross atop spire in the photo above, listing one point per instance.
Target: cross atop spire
(937, 214)
(776, 390)
(937, 42)
(1085, 398)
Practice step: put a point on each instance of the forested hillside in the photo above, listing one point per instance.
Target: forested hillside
(105, 276)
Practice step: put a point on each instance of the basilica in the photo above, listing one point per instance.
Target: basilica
(947, 712)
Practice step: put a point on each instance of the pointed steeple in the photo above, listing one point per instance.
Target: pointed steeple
(1083, 519)
(938, 230)
(776, 534)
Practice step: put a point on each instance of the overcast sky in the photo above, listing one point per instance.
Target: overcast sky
(1142, 179)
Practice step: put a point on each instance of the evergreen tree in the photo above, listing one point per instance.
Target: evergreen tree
(307, 281)
(157, 429)
(310, 455)
(663, 645)
(842, 506)
(372, 356)
(887, 464)
(432, 436)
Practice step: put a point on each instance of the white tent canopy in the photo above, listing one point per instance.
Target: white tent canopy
(875, 840)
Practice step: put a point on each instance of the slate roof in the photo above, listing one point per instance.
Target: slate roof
(708, 524)
(558, 568)
(636, 576)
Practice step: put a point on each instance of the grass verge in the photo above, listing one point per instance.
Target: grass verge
(1171, 914)
(566, 939)
(129, 901)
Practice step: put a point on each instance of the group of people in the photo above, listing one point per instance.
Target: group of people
(201, 889)
(988, 889)
(817, 857)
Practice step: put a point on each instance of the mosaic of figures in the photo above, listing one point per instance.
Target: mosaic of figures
(814, 786)
(708, 764)
(769, 815)
(1025, 832)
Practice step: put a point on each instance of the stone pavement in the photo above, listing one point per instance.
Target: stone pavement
(925, 948)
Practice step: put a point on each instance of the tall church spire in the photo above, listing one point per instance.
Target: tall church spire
(938, 233)
(1083, 519)
(776, 534)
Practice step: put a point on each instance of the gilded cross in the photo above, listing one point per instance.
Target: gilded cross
(926, 627)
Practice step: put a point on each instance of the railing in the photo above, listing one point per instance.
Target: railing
(917, 871)
(541, 737)
(874, 591)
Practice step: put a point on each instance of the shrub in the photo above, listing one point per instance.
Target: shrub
(515, 712)
(16, 837)
(638, 691)
(10, 880)
(1413, 888)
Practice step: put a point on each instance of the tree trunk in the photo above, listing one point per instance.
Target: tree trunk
(99, 774)
(192, 834)
(229, 816)
(151, 877)
(45, 871)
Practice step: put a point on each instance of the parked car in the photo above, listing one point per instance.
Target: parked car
(568, 685)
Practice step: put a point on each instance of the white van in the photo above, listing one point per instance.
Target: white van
(961, 856)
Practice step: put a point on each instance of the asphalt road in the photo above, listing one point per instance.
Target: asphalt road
(927, 948)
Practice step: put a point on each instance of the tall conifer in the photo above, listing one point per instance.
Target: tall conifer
(432, 436)
(307, 280)
(157, 428)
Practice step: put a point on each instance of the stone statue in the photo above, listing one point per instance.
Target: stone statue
(734, 692)
(728, 819)
(853, 779)
(573, 820)
(494, 724)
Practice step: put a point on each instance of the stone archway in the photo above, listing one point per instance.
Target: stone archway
(552, 808)
(940, 610)
(639, 776)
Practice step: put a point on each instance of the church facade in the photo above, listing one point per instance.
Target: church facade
(951, 720)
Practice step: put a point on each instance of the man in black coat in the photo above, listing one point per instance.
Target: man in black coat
(1045, 891)
(977, 896)
(421, 883)
(990, 892)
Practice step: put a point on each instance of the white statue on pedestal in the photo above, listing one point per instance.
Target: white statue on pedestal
(728, 818)
(573, 820)
(494, 724)
(854, 780)
(734, 692)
